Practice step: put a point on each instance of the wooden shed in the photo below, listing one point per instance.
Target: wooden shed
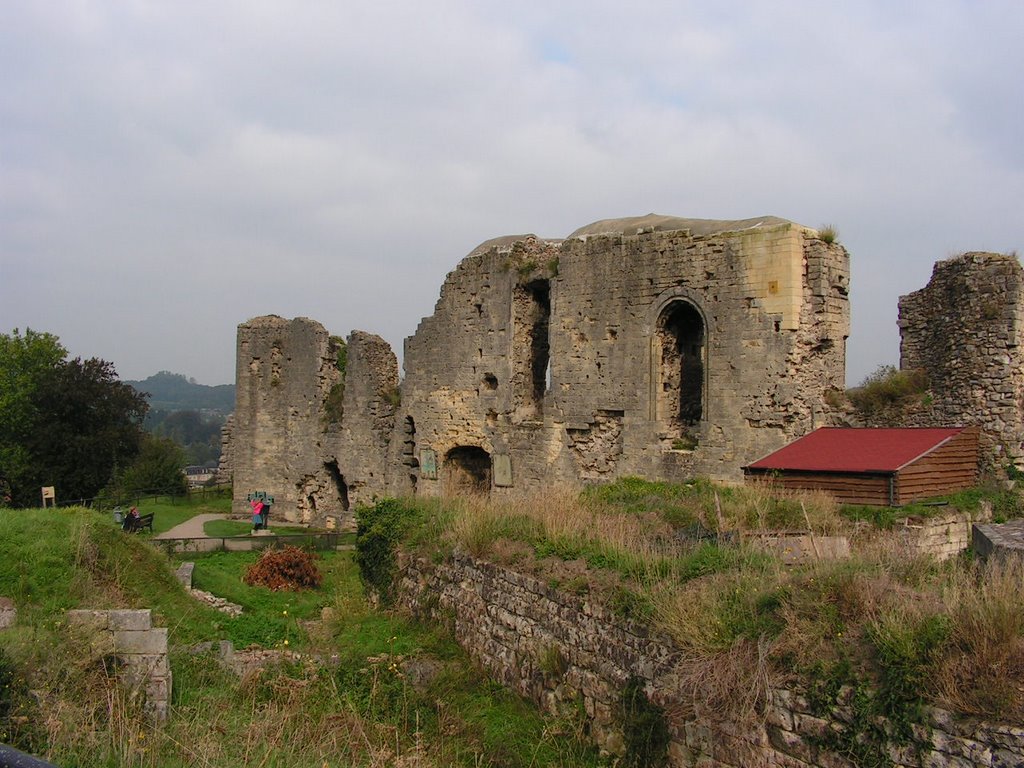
(883, 467)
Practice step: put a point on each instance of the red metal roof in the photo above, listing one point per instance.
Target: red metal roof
(839, 449)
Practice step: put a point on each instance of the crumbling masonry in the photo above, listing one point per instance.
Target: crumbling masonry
(650, 346)
(965, 330)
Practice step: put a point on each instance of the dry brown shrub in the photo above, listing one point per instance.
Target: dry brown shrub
(730, 685)
(287, 568)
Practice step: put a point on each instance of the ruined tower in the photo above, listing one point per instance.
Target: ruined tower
(964, 330)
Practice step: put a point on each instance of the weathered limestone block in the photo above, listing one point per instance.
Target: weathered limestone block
(184, 574)
(942, 536)
(8, 613)
(998, 539)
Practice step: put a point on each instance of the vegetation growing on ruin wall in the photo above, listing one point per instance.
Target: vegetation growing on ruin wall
(334, 405)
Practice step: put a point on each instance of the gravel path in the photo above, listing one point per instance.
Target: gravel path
(191, 529)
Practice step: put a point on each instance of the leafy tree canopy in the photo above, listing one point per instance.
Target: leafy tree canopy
(157, 468)
(66, 423)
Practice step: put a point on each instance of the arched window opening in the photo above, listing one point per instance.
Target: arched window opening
(467, 471)
(681, 337)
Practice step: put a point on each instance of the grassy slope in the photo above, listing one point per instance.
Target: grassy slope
(361, 709)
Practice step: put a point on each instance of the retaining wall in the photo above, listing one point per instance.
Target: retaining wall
(557, 648)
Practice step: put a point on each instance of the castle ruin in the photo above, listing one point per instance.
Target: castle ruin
(965, 330)
(652, 346)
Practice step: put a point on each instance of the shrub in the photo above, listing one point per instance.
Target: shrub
(286, 568)
(909, 648)
(379, 530)
(828, 234)
(888, 388)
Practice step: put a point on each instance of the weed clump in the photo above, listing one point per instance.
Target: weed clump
(287, 568)
(644, 729)
(17, 709)
(379, 530)
(888, 389)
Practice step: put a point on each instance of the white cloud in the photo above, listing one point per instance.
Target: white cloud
(336, 160)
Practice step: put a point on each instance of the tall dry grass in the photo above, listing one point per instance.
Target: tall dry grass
(982, 672)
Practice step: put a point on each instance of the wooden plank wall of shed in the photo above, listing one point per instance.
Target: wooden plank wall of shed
(949, 468)
(848, 488)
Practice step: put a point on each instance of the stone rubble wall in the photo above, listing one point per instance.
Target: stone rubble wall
(360, 448)
(555, 648)
(942, 536)
(142, 649)
(281, 438)
(285, 369)
(556, 362)
(773, 300)
(964, 329)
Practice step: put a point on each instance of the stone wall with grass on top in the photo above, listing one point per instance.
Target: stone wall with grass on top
(655, 346)
(562, 650)
(141, 649)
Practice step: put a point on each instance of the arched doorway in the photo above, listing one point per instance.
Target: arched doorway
(681, 342)
(467, 470)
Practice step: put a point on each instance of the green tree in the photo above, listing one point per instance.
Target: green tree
(158, 467)
(24, 360)
(70, 424)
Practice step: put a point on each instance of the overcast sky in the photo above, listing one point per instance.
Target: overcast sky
(170, 169)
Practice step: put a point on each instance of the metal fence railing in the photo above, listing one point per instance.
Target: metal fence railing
(153, 494)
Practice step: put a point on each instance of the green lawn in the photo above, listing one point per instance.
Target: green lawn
(169, 512)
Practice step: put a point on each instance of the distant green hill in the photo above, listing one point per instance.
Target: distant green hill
(174, 392)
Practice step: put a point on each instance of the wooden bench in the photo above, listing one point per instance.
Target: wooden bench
(141, 523)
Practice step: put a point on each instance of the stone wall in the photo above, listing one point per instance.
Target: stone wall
(565, 361)
(942, 536)
(285, 370)
(964, 329)
(141, 648)
(284, 439)
(359, 449)
(999, 540)
(651, 346)
(225, 467)
(553, 647)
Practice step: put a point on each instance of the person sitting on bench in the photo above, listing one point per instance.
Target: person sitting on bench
(130, 520)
